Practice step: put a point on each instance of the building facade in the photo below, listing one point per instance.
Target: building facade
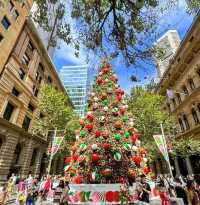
(167, 45)
(182, 79)
(25, 69)
(75, 80)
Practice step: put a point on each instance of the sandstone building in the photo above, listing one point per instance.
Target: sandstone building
(182, 79)
(24, 66)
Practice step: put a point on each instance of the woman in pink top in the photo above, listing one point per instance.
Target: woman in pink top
(22, 186)
(47, 186)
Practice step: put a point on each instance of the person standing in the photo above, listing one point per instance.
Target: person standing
(192, 196)
(180, 191)
(145, 191)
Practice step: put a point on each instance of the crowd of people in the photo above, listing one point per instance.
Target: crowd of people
(32, 191)
(35, 191)
(168, 189)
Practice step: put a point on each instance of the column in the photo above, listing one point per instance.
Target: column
(7, 154)
(158, 167)
(38, 163)
(176, 166)
(189, 166)
(26, 158)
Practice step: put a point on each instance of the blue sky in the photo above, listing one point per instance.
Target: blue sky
(175, 19)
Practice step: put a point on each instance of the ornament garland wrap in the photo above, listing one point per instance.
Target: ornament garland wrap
(108, 149)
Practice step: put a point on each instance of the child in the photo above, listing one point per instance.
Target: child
(30, 197)
(21, 198)
(39, 198)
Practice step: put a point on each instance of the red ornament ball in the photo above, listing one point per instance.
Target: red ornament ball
(98, 133)
(90, 118)
(68, 160)
(137, 159)
(107, 172)
(117, 125)
(134, 137)
(82, 123)
(89, 127)
(99, 81)
(75, 157)
(146, 170)
(78, 179)
(131, 173)
(109, 196)
(106, 146)
(95, 157)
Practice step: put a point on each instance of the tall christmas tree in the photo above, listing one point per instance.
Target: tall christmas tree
(107, 149)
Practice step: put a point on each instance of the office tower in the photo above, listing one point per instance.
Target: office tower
(75, 80)
(168, 45)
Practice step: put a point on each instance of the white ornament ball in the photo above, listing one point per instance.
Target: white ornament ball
(138, 143)
(95, 105)
(94, 147)
(89, 113)
(102, 118)
(77, 137)
(100, 73)
(126, 106)
(131, 123)
(116, 86)
(143, 164)
(96, 99)
(134, 148)
(105, 108)
(106, 80)
(144, 160)
(92, 94)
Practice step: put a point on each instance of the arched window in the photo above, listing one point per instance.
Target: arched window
(174, 102)
(185, 90)
(178, 97)
(17, 153)
(33, 159)
(191, 83)
(1, 142)
(181, 124)
(195, 116)
(198, 106)
(186, 122)
(198, 71)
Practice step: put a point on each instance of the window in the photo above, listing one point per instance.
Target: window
(25, 59)
(26, 123)
(195, 116)
(169, 108)
(10, 5)
(174, 102)
(1, 37)
(185, 91)
(186, 122)
(49, 80)
(31, 107)
(41, 68)
(8, 111)
(40, 80)
(181, 124)
(15, 92)
(5, 22)
(33, 159)
(198, 71)
(15, 14)
(21, 73)
(198, 106)
(178, 97)
(41, 115)
(36, 92)
(191, 83)
(30, 46)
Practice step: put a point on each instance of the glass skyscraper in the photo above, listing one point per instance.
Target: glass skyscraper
(75, 80)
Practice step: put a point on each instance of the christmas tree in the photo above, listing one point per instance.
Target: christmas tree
(107, 149)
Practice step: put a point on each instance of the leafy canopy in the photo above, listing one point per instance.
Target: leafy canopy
(148, 114)
(108, 27)
(57, 113)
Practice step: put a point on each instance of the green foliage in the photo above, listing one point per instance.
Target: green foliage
(57, 114)
(121, 26)
(146, 108)
(193, 6)
(185, 147)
